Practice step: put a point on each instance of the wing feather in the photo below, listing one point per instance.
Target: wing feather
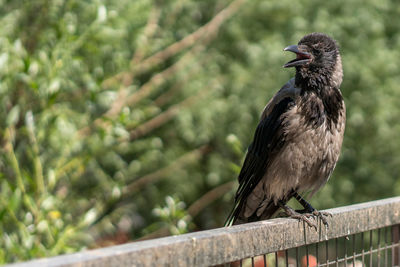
(268, 139)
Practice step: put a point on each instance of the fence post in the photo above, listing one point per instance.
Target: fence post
(396, 249)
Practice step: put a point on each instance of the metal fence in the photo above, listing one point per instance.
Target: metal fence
(365, 234)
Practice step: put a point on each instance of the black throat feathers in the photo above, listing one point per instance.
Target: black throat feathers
(318, 106)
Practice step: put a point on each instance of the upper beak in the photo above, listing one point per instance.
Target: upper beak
(302, 58)
(292, 48)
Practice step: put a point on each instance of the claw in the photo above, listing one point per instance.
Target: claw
(304, 218)
(309, 211)
(322, 216)
(301, 217)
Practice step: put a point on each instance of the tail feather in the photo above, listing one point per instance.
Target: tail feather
(236, 216)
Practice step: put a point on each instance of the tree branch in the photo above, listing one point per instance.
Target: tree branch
(157, 175)
(161, 232)
(124, 99)
(209, 28)
(209, 197)
(195, 208)
(148, 32)
(141, 182)
(163, 118)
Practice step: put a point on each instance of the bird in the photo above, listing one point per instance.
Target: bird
(298, 140)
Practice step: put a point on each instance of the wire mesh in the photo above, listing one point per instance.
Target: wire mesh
(378, 247)
(359, 235)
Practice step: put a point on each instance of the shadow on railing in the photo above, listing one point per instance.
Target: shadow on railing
(365, 234)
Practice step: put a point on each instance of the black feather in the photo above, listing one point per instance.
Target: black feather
(268, 139)
(297, 143)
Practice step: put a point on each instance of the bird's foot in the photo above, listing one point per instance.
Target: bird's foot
(309, 211)
(322, 215)
(305, 217)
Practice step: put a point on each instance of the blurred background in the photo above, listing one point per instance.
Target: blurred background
(124, 120)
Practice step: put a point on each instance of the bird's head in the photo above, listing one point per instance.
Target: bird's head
(317, 61)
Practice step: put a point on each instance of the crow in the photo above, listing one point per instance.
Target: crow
(298, 140)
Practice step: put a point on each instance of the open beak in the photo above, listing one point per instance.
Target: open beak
(302, 58)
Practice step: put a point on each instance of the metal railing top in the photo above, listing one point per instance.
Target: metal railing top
(223, 245)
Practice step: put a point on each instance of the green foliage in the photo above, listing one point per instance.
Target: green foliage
(108, 110)
(173, 215)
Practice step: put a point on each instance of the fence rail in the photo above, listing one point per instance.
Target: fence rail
(227, 245)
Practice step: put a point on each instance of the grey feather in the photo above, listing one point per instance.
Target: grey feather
(298, 140)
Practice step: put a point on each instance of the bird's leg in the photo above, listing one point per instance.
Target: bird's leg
(296, 215)
(310, 211)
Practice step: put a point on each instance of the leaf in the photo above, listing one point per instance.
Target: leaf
(13, 116)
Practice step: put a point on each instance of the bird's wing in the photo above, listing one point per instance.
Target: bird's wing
(268, 138)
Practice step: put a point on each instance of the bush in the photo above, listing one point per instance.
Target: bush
(109, 107)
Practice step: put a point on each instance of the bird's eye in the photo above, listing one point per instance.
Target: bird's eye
(316, 50)
(317, 45)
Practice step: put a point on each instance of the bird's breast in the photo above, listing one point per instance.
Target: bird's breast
(311, 150)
